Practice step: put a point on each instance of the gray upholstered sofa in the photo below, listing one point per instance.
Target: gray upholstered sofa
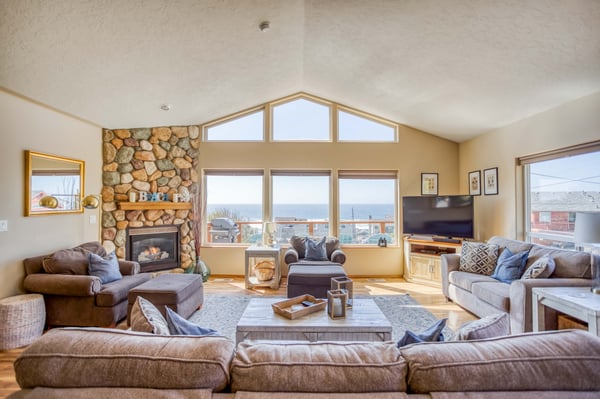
(484, 295)
(95, 363)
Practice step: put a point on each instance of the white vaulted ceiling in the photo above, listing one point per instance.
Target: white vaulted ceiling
(454, 68)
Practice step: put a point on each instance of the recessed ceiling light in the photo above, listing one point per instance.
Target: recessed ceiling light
(165, 107)
(264, 26)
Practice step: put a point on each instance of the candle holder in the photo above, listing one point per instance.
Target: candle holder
(336, 303)
(343, 283)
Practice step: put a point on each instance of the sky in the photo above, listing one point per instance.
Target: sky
(576, 173)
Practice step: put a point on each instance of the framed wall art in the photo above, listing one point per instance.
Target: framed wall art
(490, 181)
(475, 182)
(429, 184)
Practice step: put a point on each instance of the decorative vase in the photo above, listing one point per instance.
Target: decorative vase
(203, 269)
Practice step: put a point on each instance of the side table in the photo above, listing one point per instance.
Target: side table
(578, 302)
(255, 255)
(22, 320)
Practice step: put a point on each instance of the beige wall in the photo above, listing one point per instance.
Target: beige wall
(29, 126)
(416, 152)
(573, 123)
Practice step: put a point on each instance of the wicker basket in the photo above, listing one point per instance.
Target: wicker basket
(264, 270)
(22, 320)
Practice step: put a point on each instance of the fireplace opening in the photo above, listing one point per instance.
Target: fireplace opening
(154, 248)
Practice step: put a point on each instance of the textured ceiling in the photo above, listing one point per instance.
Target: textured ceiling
(454, 68)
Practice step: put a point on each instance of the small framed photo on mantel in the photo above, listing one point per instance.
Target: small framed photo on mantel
(475, 182)
(490, 181)
(429, 184)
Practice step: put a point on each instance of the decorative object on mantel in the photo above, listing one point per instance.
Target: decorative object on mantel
(490, 181)
(344, 284)
(587, 231)
(336, 303)
(429, 184)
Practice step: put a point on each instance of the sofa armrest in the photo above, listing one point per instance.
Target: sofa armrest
(128, 267)
(290, 256)
(450, 263)
(63, 284)
(521, 312)
(338, 256)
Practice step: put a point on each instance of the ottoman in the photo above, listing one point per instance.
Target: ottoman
(312, 279)
(22, 319)
(184, 293)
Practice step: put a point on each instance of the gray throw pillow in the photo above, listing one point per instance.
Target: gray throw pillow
(106, 268)
(495, 325)
(477, 257)
(145, 317)
(315, 250)
(541, 268)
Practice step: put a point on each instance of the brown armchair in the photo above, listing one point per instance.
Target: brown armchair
(75, 298)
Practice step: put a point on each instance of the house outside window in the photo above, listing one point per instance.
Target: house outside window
(559, 184)
(367, 207)
(301, 203)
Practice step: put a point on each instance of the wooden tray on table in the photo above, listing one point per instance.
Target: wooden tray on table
(293, 308)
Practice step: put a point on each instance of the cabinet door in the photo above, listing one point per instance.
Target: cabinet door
(420, 267)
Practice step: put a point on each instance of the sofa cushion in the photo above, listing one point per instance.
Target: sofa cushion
(94, 357)
(491, 326)
(465, 280)
(318, 367)
(514, 245)
(555, 360)
(116, 292)
(496, 294)
(319, 274)
(541, 268)
(315, 250)
(477, 257)
(114, 393)
(72, 261)
(145, 317)
(106, 268)
(569, 264)
(510, 266)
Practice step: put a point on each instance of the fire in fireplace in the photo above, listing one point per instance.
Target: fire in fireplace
(154, 248)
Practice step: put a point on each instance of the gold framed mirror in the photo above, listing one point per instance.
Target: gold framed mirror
(53, 184)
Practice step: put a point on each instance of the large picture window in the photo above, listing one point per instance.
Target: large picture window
(300, 203)
(367, 207)
(230, 217)
(559, 184)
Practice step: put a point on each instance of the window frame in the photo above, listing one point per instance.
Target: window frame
(233, 117)
(368, 116)
(300, 96)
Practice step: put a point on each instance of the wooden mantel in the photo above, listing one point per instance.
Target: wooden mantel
(146, 205)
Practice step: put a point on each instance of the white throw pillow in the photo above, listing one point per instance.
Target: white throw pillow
(541, 268)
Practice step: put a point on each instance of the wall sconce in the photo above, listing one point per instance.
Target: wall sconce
(269, 229)
(49, 202)
(587, 231)
(90, 202)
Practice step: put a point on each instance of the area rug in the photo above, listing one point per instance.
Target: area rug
(222, 312)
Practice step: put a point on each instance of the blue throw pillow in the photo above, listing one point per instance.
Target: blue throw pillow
(106, 268)
(180, 326)
(510, 266)
(431, 334)
(315, 250)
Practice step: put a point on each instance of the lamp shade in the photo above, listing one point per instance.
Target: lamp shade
(587, 227)
(270, 227)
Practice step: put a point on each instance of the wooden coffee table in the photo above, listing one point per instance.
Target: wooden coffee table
(363, 322)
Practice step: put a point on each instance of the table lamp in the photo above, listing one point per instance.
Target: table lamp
(269, 230)
(587, 231)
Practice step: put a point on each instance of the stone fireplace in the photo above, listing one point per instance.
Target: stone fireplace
(154, 248)
(157, 160)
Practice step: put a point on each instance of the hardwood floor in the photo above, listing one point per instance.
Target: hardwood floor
(429, 297)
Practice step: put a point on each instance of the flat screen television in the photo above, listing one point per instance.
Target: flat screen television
(448, 216)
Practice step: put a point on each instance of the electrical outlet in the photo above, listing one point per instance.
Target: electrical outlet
(3, 225)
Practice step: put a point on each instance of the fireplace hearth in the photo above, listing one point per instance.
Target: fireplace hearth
(154, 248)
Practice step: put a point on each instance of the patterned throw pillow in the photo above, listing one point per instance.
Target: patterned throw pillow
(495, 325)
(145, 317)
(477, 257)
(541, 268)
